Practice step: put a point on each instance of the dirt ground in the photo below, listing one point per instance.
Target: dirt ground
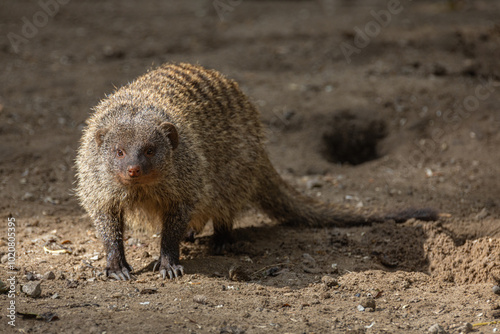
(373, 105)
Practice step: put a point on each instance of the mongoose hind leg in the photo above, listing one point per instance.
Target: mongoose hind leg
(222, 237)
(173, 231)
(190, 235)
(110, 228)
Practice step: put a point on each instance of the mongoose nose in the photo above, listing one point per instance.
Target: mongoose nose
(134, 171)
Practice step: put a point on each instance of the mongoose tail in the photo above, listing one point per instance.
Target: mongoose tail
(283, 203)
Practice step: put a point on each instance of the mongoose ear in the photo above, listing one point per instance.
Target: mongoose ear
(171, 132)
(99, 136)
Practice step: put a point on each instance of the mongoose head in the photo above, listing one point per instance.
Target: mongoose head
(137, 151)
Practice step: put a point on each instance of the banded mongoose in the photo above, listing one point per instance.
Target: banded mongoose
(179, 146)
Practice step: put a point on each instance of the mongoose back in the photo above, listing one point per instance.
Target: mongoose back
(182, 145)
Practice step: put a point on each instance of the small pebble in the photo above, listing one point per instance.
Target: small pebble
(308, 258)
(311, 270)
(274, 271)
(133, 241)
(326, 295)
(28, 197)
(309, 264)
(32, 289)
(361, 308)
(51, 200)
(482, 214)
(61, 275)
(4, 288)
(368, 302)
(148, 291)
(496, 289)
(236, 273)
(465, 328)
(72, 284)
(437, 329)
(5, 258)
(329, 281)
(314, 183)
(49, 275)
(30, 276)
(200, 299)
(232, 329)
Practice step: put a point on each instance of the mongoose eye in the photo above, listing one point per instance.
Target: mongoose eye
(119, 153)
(150, 152)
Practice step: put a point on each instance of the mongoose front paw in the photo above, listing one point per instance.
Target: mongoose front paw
(173, 270)
(119, 272)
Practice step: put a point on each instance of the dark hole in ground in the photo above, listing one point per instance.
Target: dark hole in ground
(352, 138)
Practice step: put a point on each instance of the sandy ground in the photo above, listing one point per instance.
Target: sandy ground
(373, 105)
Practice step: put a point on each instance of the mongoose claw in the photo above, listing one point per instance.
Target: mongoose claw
(163, 274)
(122, 275)
(118, 277)
(127, 274)
(173, 271)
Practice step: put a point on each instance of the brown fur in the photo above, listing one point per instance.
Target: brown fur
(182, 145)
